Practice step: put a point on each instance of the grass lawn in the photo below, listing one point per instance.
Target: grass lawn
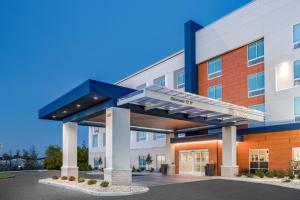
(4, 175)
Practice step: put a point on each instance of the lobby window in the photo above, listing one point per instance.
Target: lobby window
(296, 36)
(179, 79)
(214, 68)
(142, 161)
(296, 154)
(297, 109)
(95, 140)
(256, 84)
(256, 52)
(141, 87)
(215, 92)
(297, 72)
(141, 136)
(160, 159)
(159, 136)
(161, 81)
(258, 159)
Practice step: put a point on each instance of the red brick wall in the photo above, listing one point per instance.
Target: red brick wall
(234, 79)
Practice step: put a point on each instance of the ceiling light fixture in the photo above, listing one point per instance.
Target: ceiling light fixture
(78, 105)
(65, 111)
(53, 116)
(96, 98)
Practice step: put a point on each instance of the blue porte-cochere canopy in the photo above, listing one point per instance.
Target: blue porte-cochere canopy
(155, 108)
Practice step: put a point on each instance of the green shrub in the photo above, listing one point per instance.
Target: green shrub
(54, 177)
(280, 174)
(92, 182)
(104, 184)
(72, 178)
(291, 176)
(84, 167)
(133, 169)
(81, 180)
(64, 178)
(260, 173)
(298, 176)
(270, 174)
(249, 175)
(142, 169)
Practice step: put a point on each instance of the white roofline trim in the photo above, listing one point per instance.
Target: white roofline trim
(151, 66)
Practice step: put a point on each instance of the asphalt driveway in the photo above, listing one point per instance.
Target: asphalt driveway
(25, 186)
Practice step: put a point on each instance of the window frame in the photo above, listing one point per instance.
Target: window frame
(249, 75)
(215, 74)
(296, 80)
(139, 136)
(295, 42)
(268, 159)
(296, 117)
(142, 157)
(256, 58)
(159, 79)
(159, 136)
(214, 87)
(97, 140)
(176, 85)
(293, 154)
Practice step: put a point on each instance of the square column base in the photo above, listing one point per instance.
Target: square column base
(118, 177)
(69, 171)
(229, 171)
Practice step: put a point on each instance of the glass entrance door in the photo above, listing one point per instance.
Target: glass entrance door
(193, 162)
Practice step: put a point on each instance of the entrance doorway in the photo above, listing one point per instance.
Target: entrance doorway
(192, 162)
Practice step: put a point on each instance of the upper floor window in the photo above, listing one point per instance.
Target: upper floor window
(297, 72)
(141, 87)
(159, 136)
(256, 52)
(160, 81)
(214, 68)
(95, 140)
(215, 92)
(179, 79)
(296, 36)
(297, 109)
(141, 136)
(256, 84)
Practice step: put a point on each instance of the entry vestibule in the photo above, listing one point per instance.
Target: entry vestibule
(192, 162)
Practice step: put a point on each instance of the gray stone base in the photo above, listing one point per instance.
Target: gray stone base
(69, 171)
(229, 171)
(118, 177)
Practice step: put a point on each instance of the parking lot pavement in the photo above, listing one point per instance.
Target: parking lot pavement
(25, 186)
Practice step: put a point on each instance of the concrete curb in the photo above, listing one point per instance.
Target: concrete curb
(90, 192)
(267, 182)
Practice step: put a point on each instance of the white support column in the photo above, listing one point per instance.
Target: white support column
(69, 167)
(118, 171)
(229, 166)
(171, 157)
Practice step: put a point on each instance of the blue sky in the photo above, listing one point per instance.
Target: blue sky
(49, 47)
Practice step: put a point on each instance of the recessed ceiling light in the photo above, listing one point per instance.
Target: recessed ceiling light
(96, 98)
(65, 111)
(53, 116)
(78, 105)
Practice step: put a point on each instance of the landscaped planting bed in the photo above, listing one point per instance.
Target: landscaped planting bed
(94, 187)
(4, 175)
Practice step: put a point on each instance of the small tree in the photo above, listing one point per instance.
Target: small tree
(53, 158)
(148, 160)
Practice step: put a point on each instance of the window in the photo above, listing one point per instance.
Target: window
(104, 139)
(296, 154)
(296, 159)
(181, 135)
(95, 140)
(256, 84)
(214, 68)
(297, 72)
(296, 36)
(159, 136)
(215, 92)
(259, 107)
(96, 163)
(179, 79)
(258, 159)
(141, 87)
(96, 130)
(297, 109)
(160, 81)
(160, 159)
(256, 53)
(141, 136)
(142, 161)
